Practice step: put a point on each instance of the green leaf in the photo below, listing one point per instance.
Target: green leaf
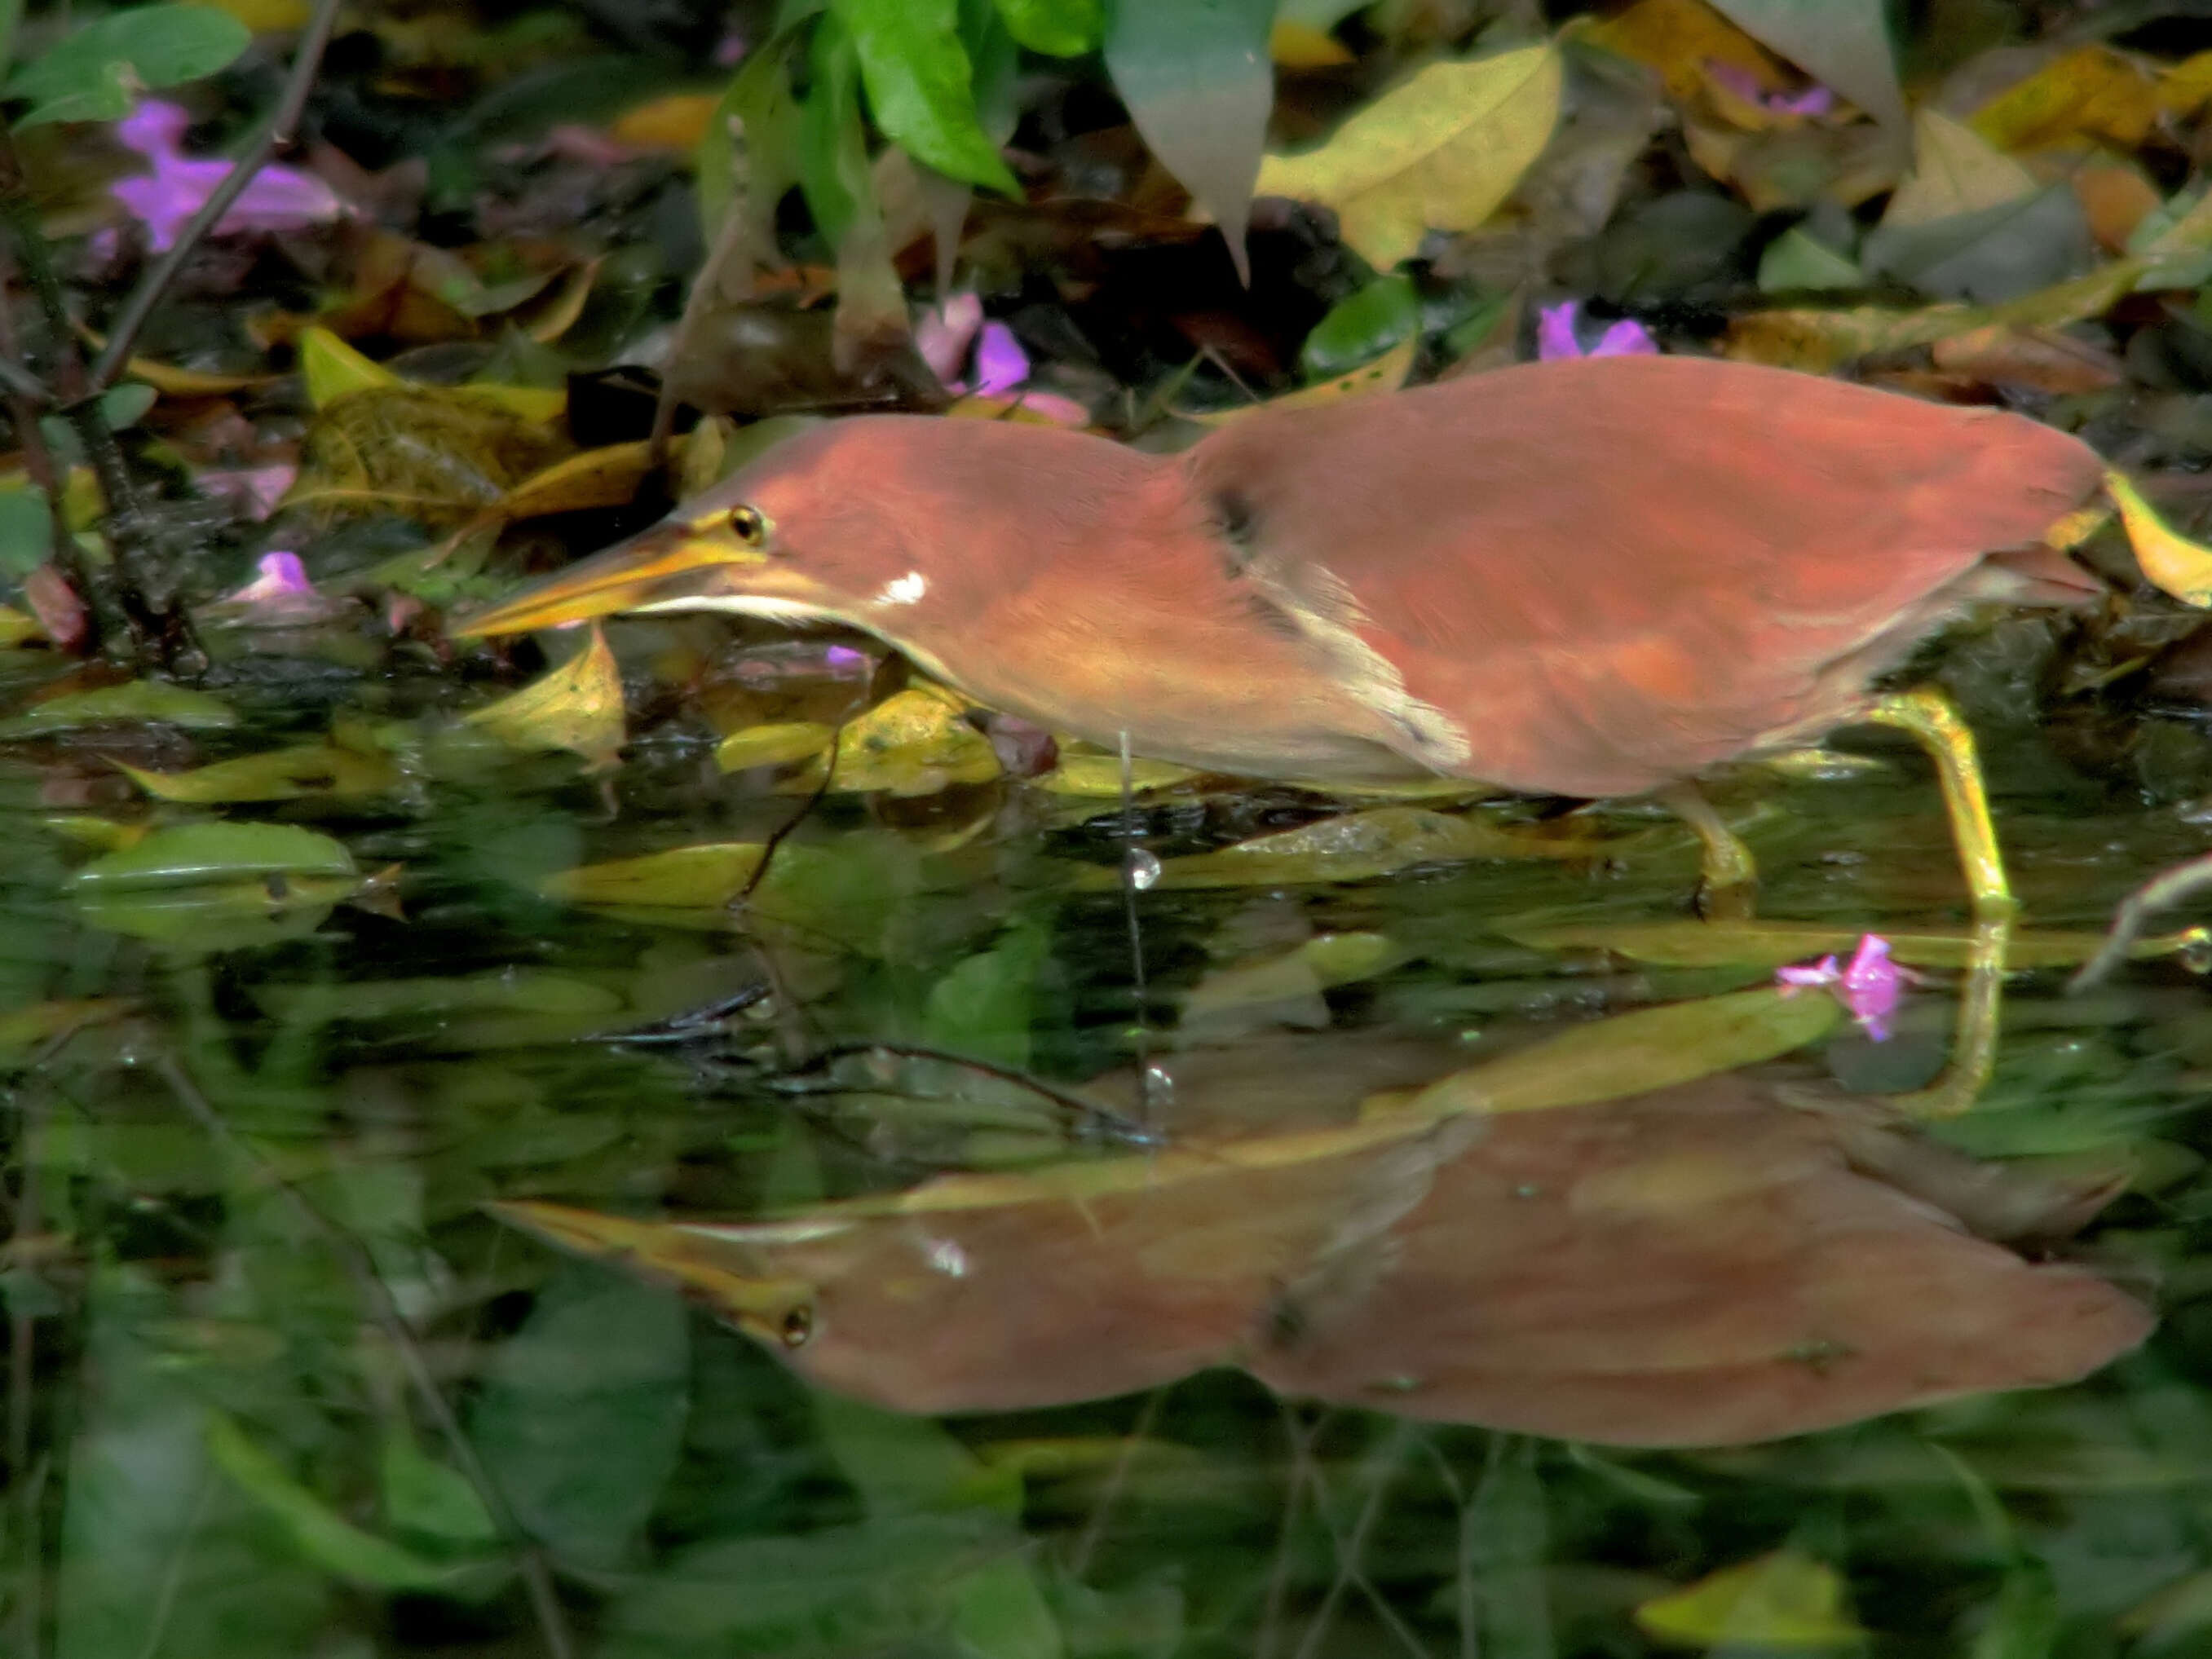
(983, 1007)
(133, 701)
(1844, 43)
(185, 855)
(759, 99)
(1361, 329)
(26, 531)
(582, 1412)
(920, 87)
(91, 72)
(322, 1535)
(426, 1498)
(833, 149)
(1199, 84)
(1058, 28)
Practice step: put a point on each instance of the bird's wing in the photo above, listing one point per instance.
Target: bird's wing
(1610, 572)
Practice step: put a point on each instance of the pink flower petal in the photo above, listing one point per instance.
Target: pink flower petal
(944, 333)
(277, 198)
(1060, 411)
(1555, 332)
(282, 585)
(55, 603)
(155, 128)
(1000, 363)
(1823, 972)
(1625, 338)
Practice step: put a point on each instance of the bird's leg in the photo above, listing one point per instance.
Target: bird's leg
(1974, 1041)
(1140, 870)
(1936, 725)
(1728, 876)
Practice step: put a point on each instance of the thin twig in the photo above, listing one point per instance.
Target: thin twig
(122, 332)
(1094, 1529)
(376, 1295)
(2166, 889)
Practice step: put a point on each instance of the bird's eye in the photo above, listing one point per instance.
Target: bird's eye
(797, 1325)
(748, 525)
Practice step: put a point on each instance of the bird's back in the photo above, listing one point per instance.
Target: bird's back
(1610, 572)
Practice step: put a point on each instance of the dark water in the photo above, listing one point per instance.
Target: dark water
(279, 1384)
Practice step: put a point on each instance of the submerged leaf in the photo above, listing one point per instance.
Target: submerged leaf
(134, 700)
(1360, 846)
(1437, 152)
(315, 768)
(1785, 1601)
(190, 853)
(916, 742)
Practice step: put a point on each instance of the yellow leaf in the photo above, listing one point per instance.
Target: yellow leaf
(1092, 775)
(1386, 374)
(277, 775)
(2186, 87)
(775, 744)
(1300, 46)
(332, 368)
(578, 706)
(914, 742)
(677, 122)
(1437, 152)
(2170, 561)
(1955, 171)
(1785, 1600)
(16, 626)
(543, 405)
(704, 877)
(2092, 92)
(606, 476)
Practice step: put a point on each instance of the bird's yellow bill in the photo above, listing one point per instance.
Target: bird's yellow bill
(664, 562)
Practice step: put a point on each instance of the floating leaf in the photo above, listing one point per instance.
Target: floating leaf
(775, 744)
(1687, 943)
(1329, 960)
(314, 769)
(134, 700)
(1785, 1601)
(1360, 846)
(577, 705)
(1196, 78)
(191, 854)
(916, 742)
(1627, 1054)
(1087, 774)
(1385, 373)
(1437, 152)
(1842, 43)
(683, 877)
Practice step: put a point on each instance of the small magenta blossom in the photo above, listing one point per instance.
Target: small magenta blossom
(947, 335)
(1870, 986)
(1559, 335)
(279, 198)
(1815, 100)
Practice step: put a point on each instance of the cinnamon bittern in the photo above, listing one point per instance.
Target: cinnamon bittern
(1587, 578)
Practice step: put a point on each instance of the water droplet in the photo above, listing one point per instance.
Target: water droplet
(1159, 1088)
(1144, 869)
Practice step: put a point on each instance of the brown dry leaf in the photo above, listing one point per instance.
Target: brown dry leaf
(1698, 1265)
(2116, 197)
(2037, 360)
(443, 457)
(577, 705)
(1437, 152)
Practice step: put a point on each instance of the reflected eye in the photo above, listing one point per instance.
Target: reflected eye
(797, 1325)
(749, 525)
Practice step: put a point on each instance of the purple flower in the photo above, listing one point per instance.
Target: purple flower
(279, 198)
(1000, 363)
(1870, 986)
(281, 585)
(1558, 335)
(1815, 100)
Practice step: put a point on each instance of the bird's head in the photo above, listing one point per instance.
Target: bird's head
(838, 525)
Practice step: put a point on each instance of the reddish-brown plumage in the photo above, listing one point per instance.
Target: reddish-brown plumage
(1582, 578)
